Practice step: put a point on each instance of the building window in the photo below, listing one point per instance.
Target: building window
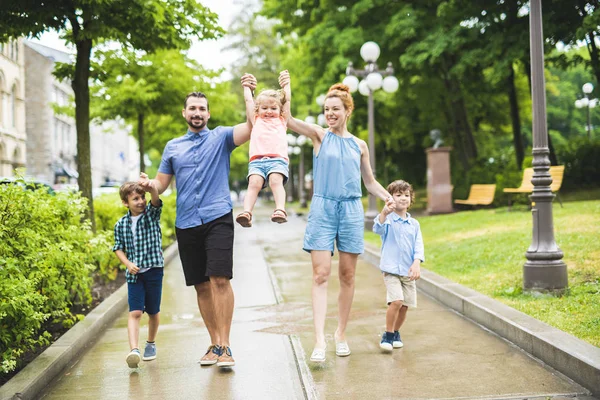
(13, 106)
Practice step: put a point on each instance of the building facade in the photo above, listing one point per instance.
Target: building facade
(115, 154)
(52, 136)
(12, 107)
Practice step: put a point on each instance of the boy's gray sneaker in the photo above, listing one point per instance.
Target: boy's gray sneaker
(133, 358)
(149, 352)
(397, 342)
(386, 341)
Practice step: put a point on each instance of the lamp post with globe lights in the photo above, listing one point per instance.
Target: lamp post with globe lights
(374, 79)
(544, 270)
(587, 103)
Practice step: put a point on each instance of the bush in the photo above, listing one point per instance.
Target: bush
(47, 256)
(108, 208)
(580, 157)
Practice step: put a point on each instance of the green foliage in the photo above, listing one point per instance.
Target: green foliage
(582, 168)
(49, 258)
(484, 250)
(147, 25)
(46, 264)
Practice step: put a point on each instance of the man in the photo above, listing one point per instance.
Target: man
(204, 224)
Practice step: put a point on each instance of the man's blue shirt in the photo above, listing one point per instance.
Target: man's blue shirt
(402, 243)
(200, 164)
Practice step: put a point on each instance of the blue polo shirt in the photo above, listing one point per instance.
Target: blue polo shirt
(200, 164)
(402, 243)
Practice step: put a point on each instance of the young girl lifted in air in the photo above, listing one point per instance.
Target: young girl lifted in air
(268, 151)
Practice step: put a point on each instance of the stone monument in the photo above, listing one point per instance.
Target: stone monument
(439, 186)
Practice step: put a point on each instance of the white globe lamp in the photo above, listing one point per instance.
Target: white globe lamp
(351, 81)
(321, 120)
(374, 80)
(390, 84)
(321, 98)
(363, 88)
(370, 51)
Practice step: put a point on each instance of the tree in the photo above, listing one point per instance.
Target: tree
(137, 85)
(136, 24)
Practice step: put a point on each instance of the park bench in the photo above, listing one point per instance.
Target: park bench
(479, 195)
(556, 172)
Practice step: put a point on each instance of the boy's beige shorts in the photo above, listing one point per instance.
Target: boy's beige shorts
(400, 288)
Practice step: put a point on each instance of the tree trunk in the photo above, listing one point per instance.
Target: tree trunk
(515, 118)
(594, 55)
(82, 122)
(140, 129)
(464, 118)
(454, 128)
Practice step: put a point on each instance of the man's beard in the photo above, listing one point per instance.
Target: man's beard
(201, 121)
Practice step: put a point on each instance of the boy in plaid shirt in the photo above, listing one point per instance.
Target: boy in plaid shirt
(138, 246)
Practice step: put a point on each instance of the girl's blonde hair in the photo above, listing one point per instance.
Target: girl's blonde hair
(270, 94)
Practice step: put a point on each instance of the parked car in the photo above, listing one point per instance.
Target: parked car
(27, 183)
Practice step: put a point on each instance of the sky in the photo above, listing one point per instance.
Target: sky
(208, 53)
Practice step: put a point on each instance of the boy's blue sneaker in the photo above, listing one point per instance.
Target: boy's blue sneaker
(397, 342)
(386, 341)
(149, 352)
(133, 358)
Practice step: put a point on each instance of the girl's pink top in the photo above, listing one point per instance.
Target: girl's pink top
(268, 138)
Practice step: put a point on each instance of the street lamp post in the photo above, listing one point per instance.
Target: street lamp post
(544, 270)
(588, 104)
(373, 80)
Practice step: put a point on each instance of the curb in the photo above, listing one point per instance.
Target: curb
(34, 378)
(578, 360)
(306, 379)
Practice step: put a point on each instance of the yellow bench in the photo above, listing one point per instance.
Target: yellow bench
(482, 195)
(556, 172)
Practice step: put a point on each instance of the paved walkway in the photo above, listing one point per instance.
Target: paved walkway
(445, 356)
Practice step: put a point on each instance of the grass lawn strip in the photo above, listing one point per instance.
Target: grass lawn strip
(485, 250)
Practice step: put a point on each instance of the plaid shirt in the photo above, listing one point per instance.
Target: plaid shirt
(146, 252)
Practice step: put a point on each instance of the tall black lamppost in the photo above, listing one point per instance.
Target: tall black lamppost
(374, 80)
(588, 103)
(544, 269)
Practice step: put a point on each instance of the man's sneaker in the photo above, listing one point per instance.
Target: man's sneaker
(149, 352)
(397, 341)
(225, 359)
(133, 358)
(386, 341)
(211, 356)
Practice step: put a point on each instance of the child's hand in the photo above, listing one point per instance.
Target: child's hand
(284, 78)
(248, 80)
(414, 272)
(144, 181)
(132, 268)
(390, 206)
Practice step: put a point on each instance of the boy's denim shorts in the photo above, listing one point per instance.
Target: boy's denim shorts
(335, 221)
(145, 294)
(266, 166)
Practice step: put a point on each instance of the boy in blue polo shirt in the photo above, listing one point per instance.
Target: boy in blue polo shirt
(401, 256)
(138, 245)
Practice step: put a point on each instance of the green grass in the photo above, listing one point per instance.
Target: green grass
(485, 250)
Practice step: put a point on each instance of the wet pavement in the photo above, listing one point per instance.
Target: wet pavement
(445, 356)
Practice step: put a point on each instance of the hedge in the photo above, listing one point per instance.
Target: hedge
(49, 259)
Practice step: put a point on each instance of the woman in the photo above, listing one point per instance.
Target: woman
(336, 211)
